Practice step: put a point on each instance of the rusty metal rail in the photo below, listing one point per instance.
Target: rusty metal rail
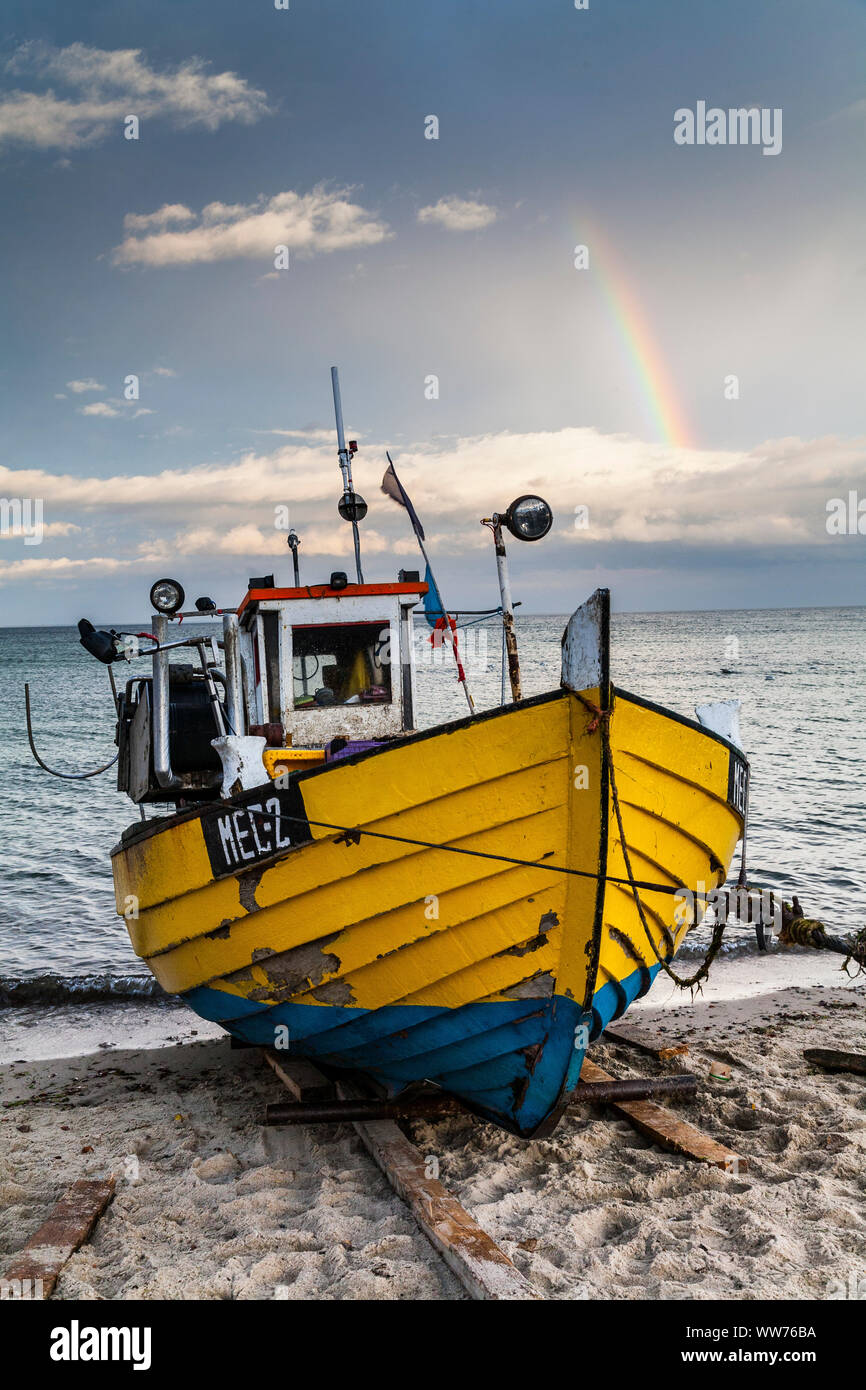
(331, 1112)
(613, 1092)
(432, 1105)
(665, 1128)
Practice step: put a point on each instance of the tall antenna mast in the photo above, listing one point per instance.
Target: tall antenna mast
(351, 507)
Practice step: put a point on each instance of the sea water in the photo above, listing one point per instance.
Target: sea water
(799, 674)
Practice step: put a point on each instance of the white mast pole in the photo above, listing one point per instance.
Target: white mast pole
(345, 458)
(507, 611)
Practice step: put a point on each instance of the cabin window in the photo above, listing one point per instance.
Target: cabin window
(348, 664)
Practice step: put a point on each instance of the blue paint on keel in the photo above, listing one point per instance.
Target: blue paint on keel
(513, 1061)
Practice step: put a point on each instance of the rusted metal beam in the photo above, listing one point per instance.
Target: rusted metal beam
(331, 1112)
(667, 1130)
(612, 1091)
(436, 1104)
(70, 1223)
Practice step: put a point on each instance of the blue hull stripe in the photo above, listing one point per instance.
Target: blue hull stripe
(513, 1061)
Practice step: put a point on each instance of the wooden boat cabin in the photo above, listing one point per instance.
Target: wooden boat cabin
(310, 674)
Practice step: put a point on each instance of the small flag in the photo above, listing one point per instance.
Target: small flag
(434, 608)
(444, 627)
(393, 488)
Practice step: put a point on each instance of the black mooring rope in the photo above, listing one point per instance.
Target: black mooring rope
(600, 721)
(352, 835)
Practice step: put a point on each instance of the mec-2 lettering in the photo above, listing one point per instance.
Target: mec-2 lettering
(252, 832)
(241, 835)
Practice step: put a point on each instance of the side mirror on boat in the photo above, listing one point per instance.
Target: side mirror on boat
(98, 642)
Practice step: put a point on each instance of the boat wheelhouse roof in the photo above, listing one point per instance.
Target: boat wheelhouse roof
(319, 591)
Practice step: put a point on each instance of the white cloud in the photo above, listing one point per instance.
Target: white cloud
(290, 474)
(251, 540)
(320, 221)
(113, 409)
(87, 384)
(49, 529)
(459, 214)
(166, 216)
(61, 567)
(771, 499)
(100, 87)
(311, 436)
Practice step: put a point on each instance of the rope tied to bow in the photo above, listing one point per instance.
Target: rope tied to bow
(599, 716)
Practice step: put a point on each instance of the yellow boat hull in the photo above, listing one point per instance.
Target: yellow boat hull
(486, 971)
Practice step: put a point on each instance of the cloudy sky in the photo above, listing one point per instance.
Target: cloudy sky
(693, 380)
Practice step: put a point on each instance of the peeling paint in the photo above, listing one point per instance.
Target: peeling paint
(288, 973)
(335, 992)
(533, 1055)
(548, 921)
(248, 884)
(525, 947)
(538, 986)
(519, 1089)
(627, 945)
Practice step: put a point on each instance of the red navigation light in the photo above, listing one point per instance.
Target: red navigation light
(353, 446)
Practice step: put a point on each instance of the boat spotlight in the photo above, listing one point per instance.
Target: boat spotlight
(167, 596)
(352, 507)
(528, 518)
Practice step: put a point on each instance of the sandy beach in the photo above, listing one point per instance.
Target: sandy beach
(212, 1204)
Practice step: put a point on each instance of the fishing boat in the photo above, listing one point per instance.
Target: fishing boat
(468, 905)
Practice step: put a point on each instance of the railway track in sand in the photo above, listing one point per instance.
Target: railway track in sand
(483, 1269)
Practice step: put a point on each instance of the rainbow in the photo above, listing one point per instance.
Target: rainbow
(650, 370)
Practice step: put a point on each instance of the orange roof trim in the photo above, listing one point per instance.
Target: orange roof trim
(325, 591)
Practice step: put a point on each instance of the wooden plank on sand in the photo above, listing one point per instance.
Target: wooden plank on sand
(829, 1060)
(666, 1129)
(644, 1042)
(300, 1077)
(68, 1227)
(483, 1269)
